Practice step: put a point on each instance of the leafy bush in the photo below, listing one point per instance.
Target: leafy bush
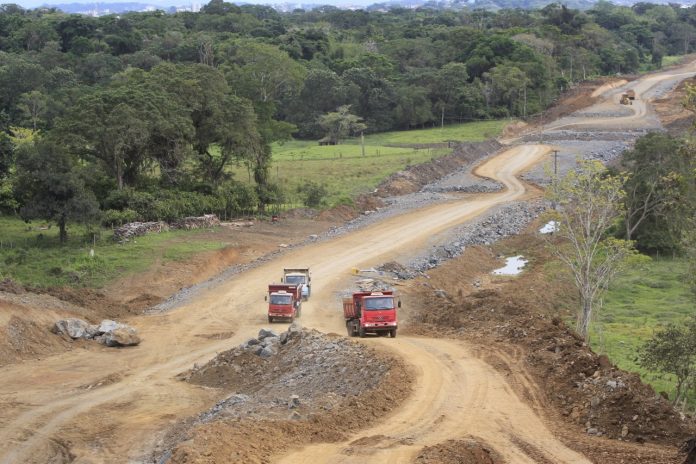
(8, 203)
(129, 199)
(115, 218)
(239, 199)
(128, 205)
(271, 194)
(312, 194)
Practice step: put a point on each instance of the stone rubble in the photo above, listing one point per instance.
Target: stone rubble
(131, 230)
(108, 332)
(307, 371)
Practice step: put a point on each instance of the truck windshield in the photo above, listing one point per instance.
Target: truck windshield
(374, 304)
(295, 279)
(280, 299)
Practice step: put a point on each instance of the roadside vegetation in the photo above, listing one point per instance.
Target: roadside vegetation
(144, 116)
(347, 169)
(33, 255)
(640, 302)
(638, 310)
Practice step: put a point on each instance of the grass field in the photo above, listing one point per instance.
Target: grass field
(638, 303)
(34, 257)
(346, 172)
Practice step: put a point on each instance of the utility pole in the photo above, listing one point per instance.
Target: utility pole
(555, 173)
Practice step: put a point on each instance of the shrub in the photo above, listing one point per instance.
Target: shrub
(115, 218)
(271, 194)
(239, 199)
(313, 194)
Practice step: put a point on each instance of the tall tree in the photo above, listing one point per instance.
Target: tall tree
(590, 203)
(49, 187)
(341, 123)
(652, 183)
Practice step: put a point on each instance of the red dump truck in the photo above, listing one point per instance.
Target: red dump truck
(284, 301)
(370, 312)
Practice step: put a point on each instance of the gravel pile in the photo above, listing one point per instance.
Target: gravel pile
(604, 114)
(585, 135)
(288, 375)
(506, 221)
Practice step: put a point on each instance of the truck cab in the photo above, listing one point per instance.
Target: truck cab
(299, 276)
(283, 302)
(371, 312)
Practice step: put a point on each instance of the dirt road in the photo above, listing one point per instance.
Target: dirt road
(457, 395)
(109, 405)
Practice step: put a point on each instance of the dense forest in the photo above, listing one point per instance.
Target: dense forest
(141, 115)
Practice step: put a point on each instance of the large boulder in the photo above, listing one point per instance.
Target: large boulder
(108, 326)
(120, 336)
(74, 328)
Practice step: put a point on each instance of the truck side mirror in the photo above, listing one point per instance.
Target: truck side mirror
(282, 280)
(398, 303)
(265, 298)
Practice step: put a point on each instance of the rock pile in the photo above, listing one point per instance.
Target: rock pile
(200, 222)
(288, 375)
(108, 332)
(136, 229)
(507, 221)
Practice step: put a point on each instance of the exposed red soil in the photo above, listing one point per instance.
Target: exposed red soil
(575, 385)
(672, 113)
(252, 440)
(470, 451)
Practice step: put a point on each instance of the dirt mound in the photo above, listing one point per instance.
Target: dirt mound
(676, 119)
(24, 333)
(580, 96)
(469, 451)
(308, 391)
(520, 316)
(10, 286)
(343, 213)
(99, 306)
(413, 178)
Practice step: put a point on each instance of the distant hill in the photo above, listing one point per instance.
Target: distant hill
(101, 9)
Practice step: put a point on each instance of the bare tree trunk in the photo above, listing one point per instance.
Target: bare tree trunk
(63, 235)
(585, 315)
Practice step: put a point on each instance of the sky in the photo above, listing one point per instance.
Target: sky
(168, 3)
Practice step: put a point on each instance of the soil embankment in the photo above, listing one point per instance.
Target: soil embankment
(113, 406)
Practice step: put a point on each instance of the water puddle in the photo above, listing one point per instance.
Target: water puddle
(513, 266)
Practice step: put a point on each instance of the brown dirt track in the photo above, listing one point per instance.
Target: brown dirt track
(100, 405)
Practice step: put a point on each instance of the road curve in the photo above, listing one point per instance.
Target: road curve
(110, 404)
(456, 395)
(55, 387)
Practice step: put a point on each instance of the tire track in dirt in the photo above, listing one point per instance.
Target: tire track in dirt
(455, 389)
(171, 343)
(456, 395)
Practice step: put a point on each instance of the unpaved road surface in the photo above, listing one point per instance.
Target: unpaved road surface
(108, 405)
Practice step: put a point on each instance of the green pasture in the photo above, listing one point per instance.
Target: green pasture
(639, 302)
(346, 172)
(32, 255)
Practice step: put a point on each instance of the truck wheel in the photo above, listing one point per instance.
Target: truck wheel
(392, 333)
(361, 332)
(270, 320)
